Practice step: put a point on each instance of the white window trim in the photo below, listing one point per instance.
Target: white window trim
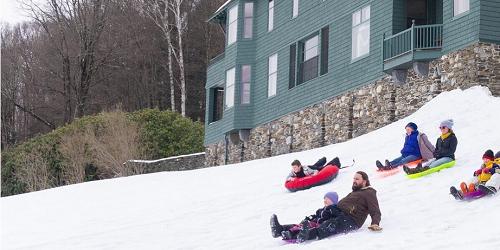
(362, 22)
(295, 8)
(270, 16)
(248, 34)
(272, 87)
(229, 90)
(234, 22)
(462, 11)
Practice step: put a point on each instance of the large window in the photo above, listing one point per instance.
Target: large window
(248, 21)
(270, 17)
(218, 103)
(232, 30)
(230, 77)
(309, 63)
(311, 58)
(295, 8)
(246, 78)
(361, 32)
(460, 6)
(272, 75)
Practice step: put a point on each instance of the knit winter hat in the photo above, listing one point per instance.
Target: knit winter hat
(333, 196)
(489, 155)
(497, 155)
(447, 123)
(412, 126)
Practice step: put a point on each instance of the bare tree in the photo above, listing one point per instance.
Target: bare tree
(158, 12)
(180, 22)
(75, 28)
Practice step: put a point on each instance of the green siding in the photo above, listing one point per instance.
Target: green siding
(343, 74)
(461, 30)
(489, 30)
(399, 16)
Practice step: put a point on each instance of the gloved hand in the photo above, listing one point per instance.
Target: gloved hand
(497, 170)
(375, 228)
(486, 170)
(478, 172)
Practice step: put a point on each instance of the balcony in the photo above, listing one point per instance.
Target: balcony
(417, 44)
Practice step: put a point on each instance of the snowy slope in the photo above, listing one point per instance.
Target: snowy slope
(229, 207)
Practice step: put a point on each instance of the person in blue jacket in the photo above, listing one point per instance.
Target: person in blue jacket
(410, 151)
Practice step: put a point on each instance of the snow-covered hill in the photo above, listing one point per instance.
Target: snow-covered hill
(228, 207)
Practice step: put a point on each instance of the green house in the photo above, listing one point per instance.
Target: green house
(283, 55)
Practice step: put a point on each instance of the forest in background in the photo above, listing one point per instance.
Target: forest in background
(81, 57)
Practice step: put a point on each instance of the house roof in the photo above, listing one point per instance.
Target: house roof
(220, 12)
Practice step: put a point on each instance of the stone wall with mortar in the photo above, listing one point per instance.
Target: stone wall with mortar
(365, 109)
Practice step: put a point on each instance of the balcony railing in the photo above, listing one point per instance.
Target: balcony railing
(416, 38)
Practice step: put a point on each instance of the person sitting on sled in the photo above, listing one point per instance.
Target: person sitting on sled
(416, 146)
(493, 184)
(299, 171)
(354, 209)
(290, 232)
(446, 145)
(480, 176)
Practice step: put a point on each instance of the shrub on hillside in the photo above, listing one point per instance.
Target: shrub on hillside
(166, 133)
(95, 147)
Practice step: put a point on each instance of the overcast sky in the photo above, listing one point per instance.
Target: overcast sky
(10, 12)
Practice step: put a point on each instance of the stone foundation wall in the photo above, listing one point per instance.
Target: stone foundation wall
(364, 109)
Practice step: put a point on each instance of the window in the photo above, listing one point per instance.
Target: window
(272, 75)
(230, 77)
(233, 25)
(246, 78)
(309, 64)
(270, 19)
(248, 21)
(312, 58)
(361, 32)
(218, 103)
(460, 6)
(295, 10)
(325, 40)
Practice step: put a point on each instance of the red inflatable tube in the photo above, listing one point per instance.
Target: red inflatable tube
(326, 175)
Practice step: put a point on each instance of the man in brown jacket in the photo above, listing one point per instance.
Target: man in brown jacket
(355, 207)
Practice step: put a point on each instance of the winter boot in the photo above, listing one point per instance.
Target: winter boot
(464, 188)
(456, 193)
(419, 168)
(379, 165)
(489, 190)
(407, 170)
(319, 164)
(472, 187)
(335, 162)
(388, 164)
(276, 228)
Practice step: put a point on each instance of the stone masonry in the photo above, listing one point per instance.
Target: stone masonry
(365, 109)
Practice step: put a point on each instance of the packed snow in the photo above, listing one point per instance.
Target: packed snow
(228, 207)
